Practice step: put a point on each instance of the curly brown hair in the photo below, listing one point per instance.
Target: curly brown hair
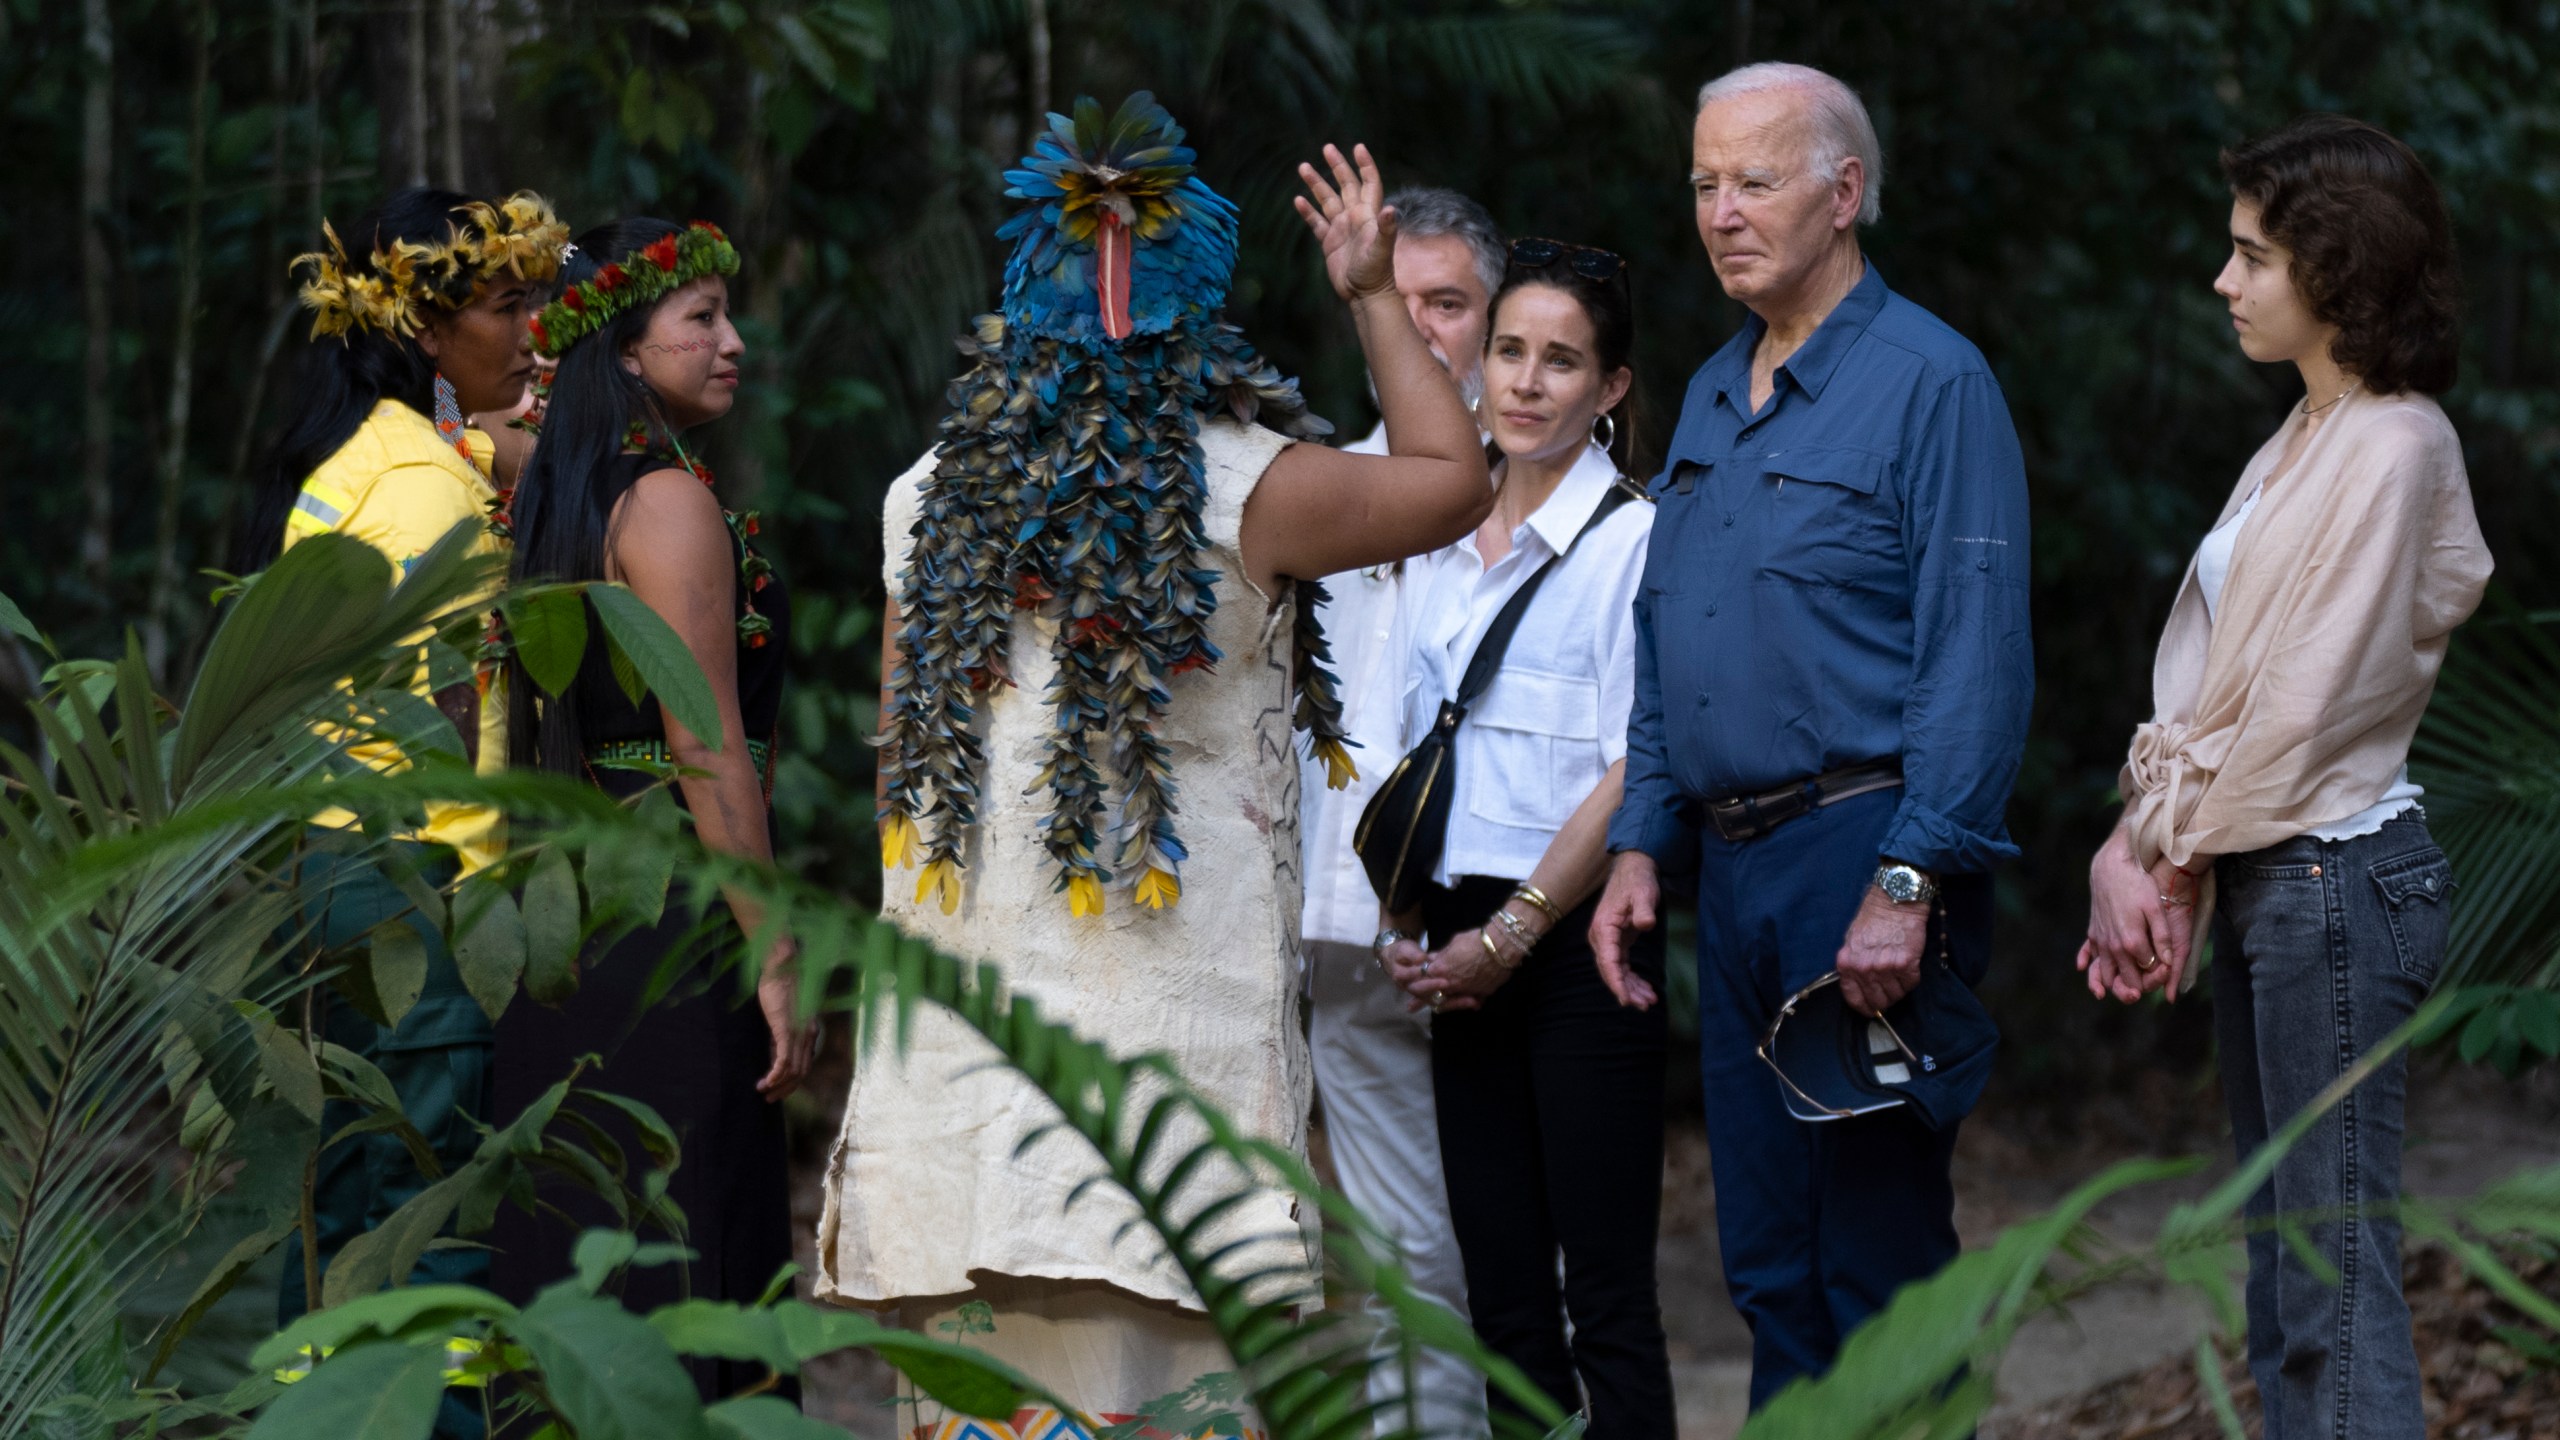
(2372, 248)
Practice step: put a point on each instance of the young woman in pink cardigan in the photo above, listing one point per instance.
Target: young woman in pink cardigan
(2269, 795)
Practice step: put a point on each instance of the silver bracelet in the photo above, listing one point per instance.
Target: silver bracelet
(1519, 930)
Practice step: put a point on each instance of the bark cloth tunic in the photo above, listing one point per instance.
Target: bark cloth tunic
(926, 1199)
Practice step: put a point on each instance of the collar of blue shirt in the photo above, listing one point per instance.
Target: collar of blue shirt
(1812, 365)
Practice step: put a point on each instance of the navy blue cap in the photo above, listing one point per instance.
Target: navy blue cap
(1931, 1050)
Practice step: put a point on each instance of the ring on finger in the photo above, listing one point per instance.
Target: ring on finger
(2151, 963)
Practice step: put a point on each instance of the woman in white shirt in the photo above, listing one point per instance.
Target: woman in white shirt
(1549, 1092)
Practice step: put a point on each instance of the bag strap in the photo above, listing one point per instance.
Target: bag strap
(1487, 661)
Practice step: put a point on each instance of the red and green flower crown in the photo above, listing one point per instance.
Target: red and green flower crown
(643, 277)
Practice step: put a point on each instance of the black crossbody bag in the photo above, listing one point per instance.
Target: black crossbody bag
(1406, 824)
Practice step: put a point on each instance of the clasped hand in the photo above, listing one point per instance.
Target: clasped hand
(2141, 925)
(1459, 975)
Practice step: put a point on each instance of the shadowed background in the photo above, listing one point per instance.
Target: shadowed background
(2050, 189)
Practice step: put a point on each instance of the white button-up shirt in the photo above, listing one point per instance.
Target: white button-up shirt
(1542, 735)
(1359, 617)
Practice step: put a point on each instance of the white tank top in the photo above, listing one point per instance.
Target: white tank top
(2213, 569)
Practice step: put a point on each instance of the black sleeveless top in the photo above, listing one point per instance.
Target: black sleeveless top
(611, 725)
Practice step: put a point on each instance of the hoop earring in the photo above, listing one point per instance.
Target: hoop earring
(1606, 439)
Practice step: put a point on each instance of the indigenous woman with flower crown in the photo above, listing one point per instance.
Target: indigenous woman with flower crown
(1094, 602)
(420, 323)
(646, 354)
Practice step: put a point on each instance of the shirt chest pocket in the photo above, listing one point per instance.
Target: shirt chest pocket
(1531, 750)
(1832, 521)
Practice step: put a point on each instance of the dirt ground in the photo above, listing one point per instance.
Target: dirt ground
(2121, 1365)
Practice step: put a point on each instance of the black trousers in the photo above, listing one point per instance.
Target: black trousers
(1550, 1105)
(694, 1056)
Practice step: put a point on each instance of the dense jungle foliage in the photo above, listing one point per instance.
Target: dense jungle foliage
(165, 1093)
(2050, 188)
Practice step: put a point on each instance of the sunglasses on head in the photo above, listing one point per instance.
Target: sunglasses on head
(1589, 262)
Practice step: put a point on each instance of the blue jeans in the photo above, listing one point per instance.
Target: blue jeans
(2321, 948)
(1819, 1224)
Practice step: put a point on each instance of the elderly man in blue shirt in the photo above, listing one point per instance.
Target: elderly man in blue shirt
(1832, 685)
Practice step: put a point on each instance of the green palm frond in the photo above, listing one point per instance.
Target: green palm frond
(128, 941)
(1183, 1162)
(131, 998)
(1545, 61)
(2489, 758)
(134, 944)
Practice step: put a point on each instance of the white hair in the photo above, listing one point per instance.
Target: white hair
(1838, 118)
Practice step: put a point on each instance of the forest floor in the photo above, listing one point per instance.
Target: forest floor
(2121, 1365)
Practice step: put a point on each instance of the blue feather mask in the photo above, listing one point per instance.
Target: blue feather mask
(1069, 481)
(1119, 237)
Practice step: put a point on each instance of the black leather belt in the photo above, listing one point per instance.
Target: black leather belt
(1748, 817)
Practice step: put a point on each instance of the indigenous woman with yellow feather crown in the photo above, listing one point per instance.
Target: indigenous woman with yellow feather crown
(647, 355)
(1101, 591)
(421, 322)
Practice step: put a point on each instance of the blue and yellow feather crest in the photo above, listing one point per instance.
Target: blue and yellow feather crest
(1086, 173)
(1070, 481)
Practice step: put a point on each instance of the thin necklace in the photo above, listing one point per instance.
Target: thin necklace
(2308, 411)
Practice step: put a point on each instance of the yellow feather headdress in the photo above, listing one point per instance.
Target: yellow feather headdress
(388, 292)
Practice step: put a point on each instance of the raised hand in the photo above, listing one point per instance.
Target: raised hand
(1352, 221)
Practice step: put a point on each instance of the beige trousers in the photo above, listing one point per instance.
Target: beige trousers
(1097, 1347)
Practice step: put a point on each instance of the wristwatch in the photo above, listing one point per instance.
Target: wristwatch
(1386, 937)
(1906, 884)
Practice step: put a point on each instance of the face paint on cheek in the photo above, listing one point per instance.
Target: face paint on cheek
(683, 347)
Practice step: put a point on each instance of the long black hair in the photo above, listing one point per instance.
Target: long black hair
(342, 377)
(562, 515)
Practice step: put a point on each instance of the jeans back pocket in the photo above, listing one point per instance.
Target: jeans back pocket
(2417, 891)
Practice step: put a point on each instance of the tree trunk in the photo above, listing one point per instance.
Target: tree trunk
(759, 166)
(97, 177)
(1036, 20)
(416, 89)
(280, 243)
(398, 35)
(311, 114)
(159, 617)
(448, 59)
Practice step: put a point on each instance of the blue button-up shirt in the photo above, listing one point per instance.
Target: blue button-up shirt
(1838, 579)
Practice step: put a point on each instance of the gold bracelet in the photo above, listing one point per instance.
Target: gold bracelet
(1538, 897)
(1493, 951)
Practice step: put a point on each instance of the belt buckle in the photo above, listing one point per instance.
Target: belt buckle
(1738, 819)
(1717, 813)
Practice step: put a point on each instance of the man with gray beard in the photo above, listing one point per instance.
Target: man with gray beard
(1372, 1058)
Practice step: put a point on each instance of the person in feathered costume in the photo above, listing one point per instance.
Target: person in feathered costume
(1092, 600)
(1070, 481)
